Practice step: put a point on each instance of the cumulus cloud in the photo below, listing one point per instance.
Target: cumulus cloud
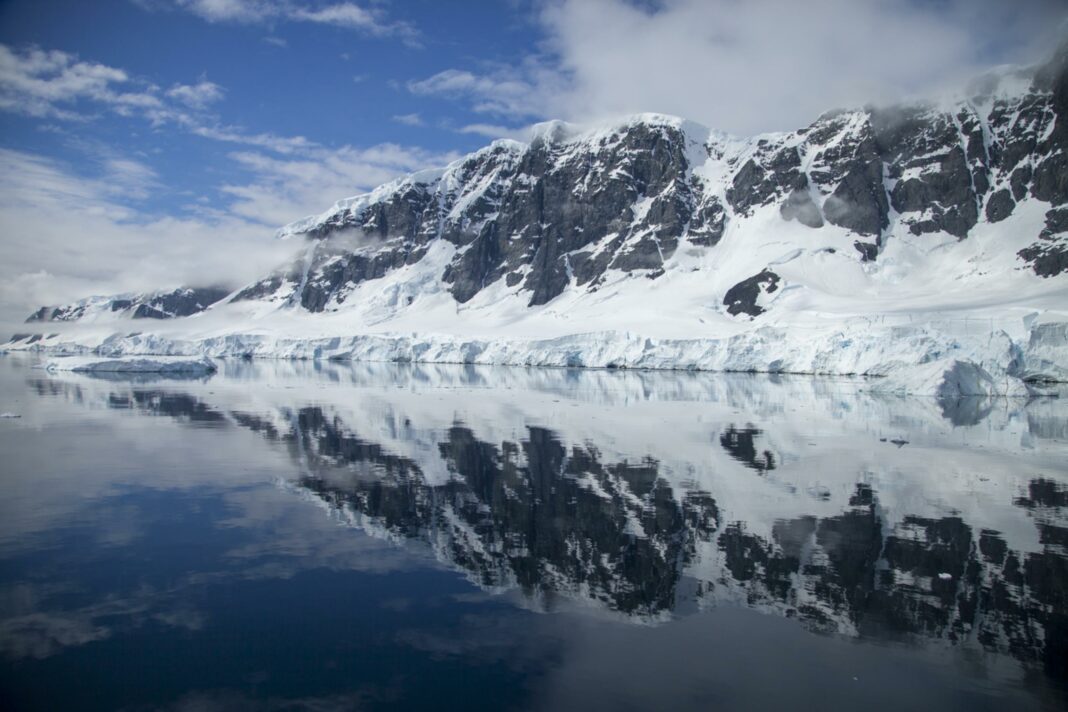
(751, 66)
(50, 83)
(55, 84)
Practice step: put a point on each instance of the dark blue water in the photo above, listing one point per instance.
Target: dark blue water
(294, 536)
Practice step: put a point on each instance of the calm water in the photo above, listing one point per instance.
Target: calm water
(290, 536)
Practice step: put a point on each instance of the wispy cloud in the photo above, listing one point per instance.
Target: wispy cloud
(409, 119)
(197, 95)
(269, 141)
(285, 188)
(58, 85)
(519, 91)
(496, 131)
(346, 15)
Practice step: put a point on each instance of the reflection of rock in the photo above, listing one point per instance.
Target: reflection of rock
(551, 521)
(529, 514)
(534, 511)
(740, 443)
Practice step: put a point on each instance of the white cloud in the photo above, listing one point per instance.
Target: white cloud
(505, 91)
(58, 85)
(343, 14)
(748, 66)
(67, 236)
(288, 188)
(269, 141)
(129, 179)
(49, 84)
(229, 10)
(196, 95)
(496, 131)
(55, 84)
(346, 15)
(409, 119)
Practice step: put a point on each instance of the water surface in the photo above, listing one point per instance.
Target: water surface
(291, 536)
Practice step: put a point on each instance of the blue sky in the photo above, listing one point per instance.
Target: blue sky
(147, 143)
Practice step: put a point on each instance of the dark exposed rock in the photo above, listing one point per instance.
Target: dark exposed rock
(708, 223)
(42, 314)
(1051, 180)
(999, 206)
(859, 202)
(180, 302)
(1049, 255)
(742, 297)
(1046, 260)
(868, 251)
(1019, 180)
(778, 172)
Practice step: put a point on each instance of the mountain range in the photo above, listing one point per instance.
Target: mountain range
(872, 241)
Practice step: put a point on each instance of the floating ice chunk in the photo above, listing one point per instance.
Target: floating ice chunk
(168, 365)
(10, 415)
(944, 576)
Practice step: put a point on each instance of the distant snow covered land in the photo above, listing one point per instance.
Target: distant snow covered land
(923, 244)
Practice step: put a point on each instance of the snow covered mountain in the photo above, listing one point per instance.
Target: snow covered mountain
(873, 241)
(580, 209)
(183, 301)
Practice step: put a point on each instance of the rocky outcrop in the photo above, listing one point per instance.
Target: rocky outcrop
(743, 297)
(184, 301)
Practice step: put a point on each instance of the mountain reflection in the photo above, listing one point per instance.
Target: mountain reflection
(562, 516)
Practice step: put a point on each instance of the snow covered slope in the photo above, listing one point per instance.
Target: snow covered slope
(927, 243)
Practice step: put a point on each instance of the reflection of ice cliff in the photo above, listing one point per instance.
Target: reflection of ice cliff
(653, 494)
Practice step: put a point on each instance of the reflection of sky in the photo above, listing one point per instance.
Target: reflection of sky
(163, 549)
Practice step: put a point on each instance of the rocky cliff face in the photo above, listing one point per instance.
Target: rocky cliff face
(573, 206)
